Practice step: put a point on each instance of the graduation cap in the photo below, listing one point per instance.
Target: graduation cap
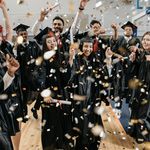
(41, 35)
(130, 24)
(21, 27)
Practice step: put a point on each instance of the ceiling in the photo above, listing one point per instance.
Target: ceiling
(108, 11)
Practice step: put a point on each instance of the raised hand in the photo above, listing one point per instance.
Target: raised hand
(47, 99)
(108, 53)
(83, 3)
(43, 14)
(114, 26)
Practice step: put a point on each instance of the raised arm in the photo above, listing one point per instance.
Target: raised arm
(115, 31)
(35, 29)
(44, 12)
(8, 26)
(76, 23)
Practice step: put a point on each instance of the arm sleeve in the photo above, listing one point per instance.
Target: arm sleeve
(1, 84)
(36, 27)
(7, 80)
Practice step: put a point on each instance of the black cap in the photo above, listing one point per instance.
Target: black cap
(39, 37)
(21, 27)
(129, 24)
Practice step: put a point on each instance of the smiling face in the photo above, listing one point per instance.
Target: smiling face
(96, 27)
(51, 43)
(87, 48)
(128, 31)
(146, 41)
(58, 25)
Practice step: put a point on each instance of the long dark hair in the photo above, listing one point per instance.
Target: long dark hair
(146, 33)
(49, 35)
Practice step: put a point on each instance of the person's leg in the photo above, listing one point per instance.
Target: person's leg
(16, 140)
(36, 106)
(5, 142)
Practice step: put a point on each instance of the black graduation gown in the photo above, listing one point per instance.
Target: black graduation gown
(139, 126)
(56, 120)
(12, 107)
(114, 81)
(14, 94)
(122, 47)
(32, 75)
(5, 140)
(84, 81)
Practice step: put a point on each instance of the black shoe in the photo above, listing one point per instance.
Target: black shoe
(26, 118)
(35, 115)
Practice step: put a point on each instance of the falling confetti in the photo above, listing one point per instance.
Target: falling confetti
(3, 96)
(79, 97)
(99, 110)
(49, 54)
(39, 61)
(19, 40)
(97, 130)
(46, 93)
(20, 2)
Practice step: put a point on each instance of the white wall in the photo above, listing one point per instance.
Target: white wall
(111, 11)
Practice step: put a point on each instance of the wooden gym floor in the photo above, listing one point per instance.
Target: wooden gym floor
(116, 137)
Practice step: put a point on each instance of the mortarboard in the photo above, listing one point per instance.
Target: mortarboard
(39, 37)
(21, 27)
(130, 24)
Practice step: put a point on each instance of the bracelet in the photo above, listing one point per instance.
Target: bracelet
(80, 8)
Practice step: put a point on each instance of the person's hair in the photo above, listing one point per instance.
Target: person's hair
(146, 33)
(84, 40)
(93, 22)
(49, 35)
(59, 18)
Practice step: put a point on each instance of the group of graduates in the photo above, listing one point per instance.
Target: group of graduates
(69, 75)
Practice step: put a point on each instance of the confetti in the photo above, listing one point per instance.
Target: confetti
(97, 130)
(3, 96)
(19, 40)
(98, 4)
(46, 93)
(20, 2)
(133, 83)
(79, 97)
(39, 61)
(49, 54)
(19, 119)
(99, 110)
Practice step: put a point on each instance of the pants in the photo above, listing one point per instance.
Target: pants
(5, 142)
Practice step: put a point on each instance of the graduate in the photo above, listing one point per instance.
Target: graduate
(85, 90)
(123, 46)
(139, 125)
(97, 33)
(12, 110)
(10, 106)
(56, 117)
(28, 53)
(58, 23)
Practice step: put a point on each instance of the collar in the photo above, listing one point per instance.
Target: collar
(128, 38)
(25, 44)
